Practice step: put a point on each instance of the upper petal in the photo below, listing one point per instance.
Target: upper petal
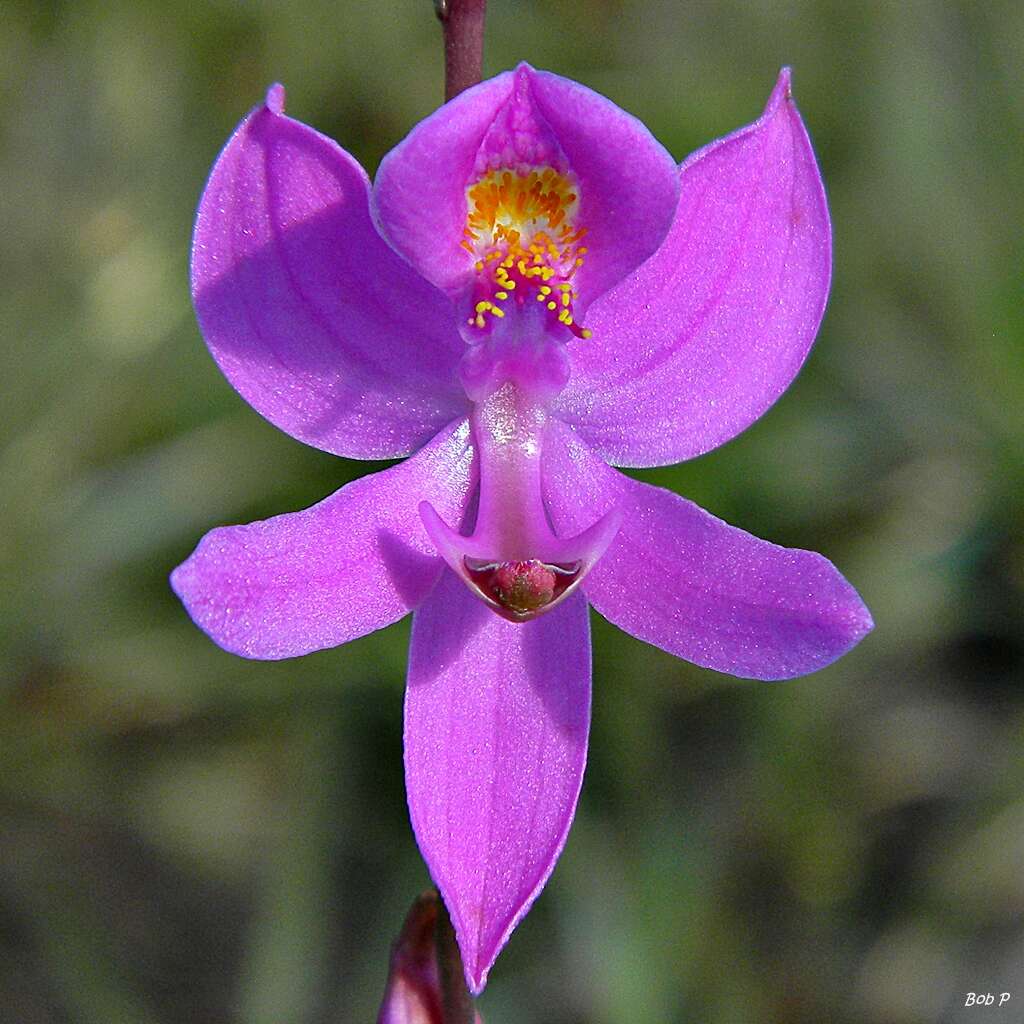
(419, 193)
(496, 721)
(628, 181)
(707, 334)
(311, 316)
(520, 120)
(689, 583)
(355, 562)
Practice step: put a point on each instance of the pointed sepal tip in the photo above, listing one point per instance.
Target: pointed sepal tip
(275, 99)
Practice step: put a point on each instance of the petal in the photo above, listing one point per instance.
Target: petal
(627, 181)
(496, 720)
(355, 562)
(705, 591)
(311, 316)
(707, 334)
(419, 193)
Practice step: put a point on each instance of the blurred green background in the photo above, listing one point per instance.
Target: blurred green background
(189, 837)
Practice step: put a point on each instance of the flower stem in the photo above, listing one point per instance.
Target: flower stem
(456, 1002)
(463, 24)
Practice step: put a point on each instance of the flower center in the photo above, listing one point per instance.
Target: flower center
(521, 230)
(513, 560)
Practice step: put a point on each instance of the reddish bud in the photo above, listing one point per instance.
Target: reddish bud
(413, 993)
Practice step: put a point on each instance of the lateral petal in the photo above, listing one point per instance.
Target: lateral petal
(309, 313)
(705, 336)
(496, 722)
(678, 578)
(357, 561)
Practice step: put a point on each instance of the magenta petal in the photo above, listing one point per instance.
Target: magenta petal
(419, 193)
(707, 334)
(351, 564)
(496, 720)
(683, 580)
(309, 313)
(628, 181)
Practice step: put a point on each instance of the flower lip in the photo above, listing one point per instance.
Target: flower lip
(522, 235)
(521, 122)
(418, 201)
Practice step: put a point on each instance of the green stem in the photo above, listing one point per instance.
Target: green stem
(463, 24)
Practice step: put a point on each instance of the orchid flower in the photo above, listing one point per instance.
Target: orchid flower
(531, 292)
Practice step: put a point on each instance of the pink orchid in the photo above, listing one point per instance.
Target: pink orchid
(440, 312)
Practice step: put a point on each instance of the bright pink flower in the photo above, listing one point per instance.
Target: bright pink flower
(532, 290)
